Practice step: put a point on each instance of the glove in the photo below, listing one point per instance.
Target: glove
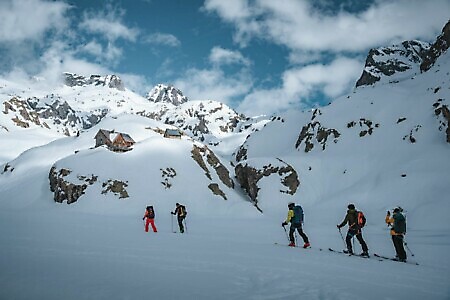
(172, 213)
(339, 227)
(388, 213)
(283, 224)
(143, 218)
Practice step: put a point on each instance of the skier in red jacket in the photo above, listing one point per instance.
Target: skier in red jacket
(150, 215)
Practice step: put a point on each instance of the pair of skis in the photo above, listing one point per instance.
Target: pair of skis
(377, 256)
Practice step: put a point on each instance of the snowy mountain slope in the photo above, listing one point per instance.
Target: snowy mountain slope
(83, 102)
(156, 166)
(380, 146)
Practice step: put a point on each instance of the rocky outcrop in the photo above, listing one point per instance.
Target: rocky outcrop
(443, 113)
(111, 81)
(387, 61)
(366, 126)
(57, 114)
(167, 94)
(440, 46)
(249, 176)
(314, 133)
(71, 188)
(116, 187)
(203, 156)
(22, 114)
(64, 190)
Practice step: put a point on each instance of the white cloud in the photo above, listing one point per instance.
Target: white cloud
(30, 19)
(165, 39)
(213, 84)
(298, 84)
(109, 24)
(295, 24)
(221, 56)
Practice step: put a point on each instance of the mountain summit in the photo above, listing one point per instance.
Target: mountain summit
(166, 94)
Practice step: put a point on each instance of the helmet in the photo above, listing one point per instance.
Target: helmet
(291, 204)
(351, 206)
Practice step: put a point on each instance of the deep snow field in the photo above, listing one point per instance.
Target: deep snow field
(58, 252)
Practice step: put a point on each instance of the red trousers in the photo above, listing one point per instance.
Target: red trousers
(151, 222)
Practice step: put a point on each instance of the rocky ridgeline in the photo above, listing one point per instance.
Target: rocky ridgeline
(55, 114)
(111, 81)
(387, 61)
(410, 56)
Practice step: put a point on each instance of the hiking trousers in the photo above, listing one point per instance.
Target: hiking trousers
(299, 228)
(398, 245)
(180, 223)
(348, 240)
(150, 222)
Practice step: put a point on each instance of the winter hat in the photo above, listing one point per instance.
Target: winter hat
(351, 206)
(396, 209)
(291, 204)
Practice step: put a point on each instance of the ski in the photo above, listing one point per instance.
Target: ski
(395, 259)
(296, 246)
(357, 255)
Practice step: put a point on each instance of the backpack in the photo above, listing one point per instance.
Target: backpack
(151, 212)
(182, 212)
(361, 219)
(399, 223)
(298, 214)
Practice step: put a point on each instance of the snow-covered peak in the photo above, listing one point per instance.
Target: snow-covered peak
(393, 63)
(167, 94)
(404, 61)
(112, 81)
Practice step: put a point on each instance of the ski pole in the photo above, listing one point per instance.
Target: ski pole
(406, 244)
(172, 221)
(287, 236)
(342, 237)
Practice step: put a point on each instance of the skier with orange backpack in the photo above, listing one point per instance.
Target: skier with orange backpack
(356, 221)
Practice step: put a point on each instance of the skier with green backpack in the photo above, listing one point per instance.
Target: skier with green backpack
(295, 217)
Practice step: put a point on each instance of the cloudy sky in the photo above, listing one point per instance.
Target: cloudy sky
(258, 56)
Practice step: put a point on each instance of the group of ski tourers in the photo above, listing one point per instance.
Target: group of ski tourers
(355, 221)
(149, 217)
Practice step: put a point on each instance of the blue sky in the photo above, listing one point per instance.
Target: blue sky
(258, 56)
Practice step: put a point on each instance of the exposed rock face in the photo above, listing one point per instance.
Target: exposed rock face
(443, 113)
(167, 94)
(23, 114)
(407, 57)
(111, 81)
(440, 46)
(199, 153)
(116, 187)
(59, 114)
(387, 61)
(204, 157)
(248, 177)
(366, 126)
(63, 189)
(313, 133)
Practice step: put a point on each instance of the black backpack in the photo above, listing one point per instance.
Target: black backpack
(151, 212)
